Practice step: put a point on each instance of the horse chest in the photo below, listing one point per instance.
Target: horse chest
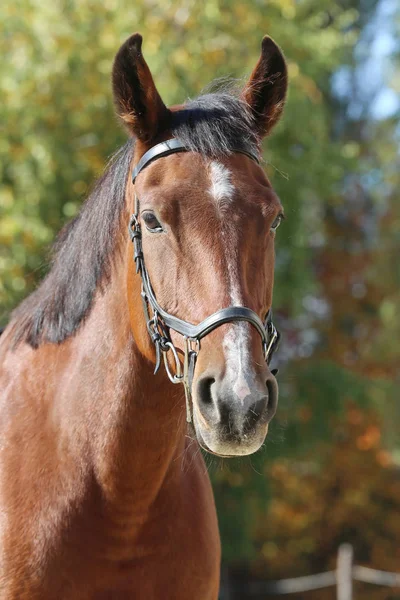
(171, 551)
(178, 562)
(176, 551)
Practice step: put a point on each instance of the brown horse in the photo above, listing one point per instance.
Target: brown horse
(103, 494)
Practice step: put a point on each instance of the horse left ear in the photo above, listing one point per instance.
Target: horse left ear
(137, 101)
(265, 92)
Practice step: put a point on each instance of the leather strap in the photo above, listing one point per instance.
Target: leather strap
(171, 147)
(197, 332)
(158, 151)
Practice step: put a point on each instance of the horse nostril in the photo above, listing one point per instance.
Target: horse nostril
(206, 401)
(204, 390)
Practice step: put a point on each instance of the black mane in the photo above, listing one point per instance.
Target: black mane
(82, 258)
(214, 124)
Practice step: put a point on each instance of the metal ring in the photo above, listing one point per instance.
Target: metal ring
(177, 377)
(273, 336)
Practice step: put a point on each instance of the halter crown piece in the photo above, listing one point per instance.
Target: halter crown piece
(159, 322)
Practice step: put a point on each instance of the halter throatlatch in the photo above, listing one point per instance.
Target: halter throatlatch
(159, 322)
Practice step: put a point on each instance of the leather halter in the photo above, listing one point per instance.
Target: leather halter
(159, 322)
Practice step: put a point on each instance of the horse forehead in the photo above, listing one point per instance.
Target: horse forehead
(183, 172)
(192, 169)
(189, 178)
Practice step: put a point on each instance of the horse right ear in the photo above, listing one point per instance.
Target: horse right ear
(137, 101)
(265, 92)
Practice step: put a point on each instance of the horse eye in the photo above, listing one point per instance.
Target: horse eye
(151, 222)
(277, 222)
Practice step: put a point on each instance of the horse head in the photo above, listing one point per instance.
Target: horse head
(204, 222)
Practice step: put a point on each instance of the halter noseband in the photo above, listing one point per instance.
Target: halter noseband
(159, 322)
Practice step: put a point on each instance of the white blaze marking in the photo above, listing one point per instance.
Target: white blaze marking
(236, 350)
(221, 188)
(237, 340)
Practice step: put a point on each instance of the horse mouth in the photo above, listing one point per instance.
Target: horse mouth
(231, 448)
(204, 447)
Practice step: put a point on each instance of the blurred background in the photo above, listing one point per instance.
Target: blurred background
(329, 471)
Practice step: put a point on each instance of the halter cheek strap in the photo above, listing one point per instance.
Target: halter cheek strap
(160, 322)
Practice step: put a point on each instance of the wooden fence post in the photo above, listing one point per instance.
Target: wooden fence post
(344, 573)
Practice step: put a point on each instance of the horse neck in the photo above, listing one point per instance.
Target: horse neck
(135, 420)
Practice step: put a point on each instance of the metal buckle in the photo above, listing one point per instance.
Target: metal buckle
(273, 338)
(133, 227)
(192, 349)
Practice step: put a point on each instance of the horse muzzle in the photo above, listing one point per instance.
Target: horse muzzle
(232, 410)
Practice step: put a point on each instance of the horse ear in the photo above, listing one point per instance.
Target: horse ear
(265, 92)
(137, 101)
